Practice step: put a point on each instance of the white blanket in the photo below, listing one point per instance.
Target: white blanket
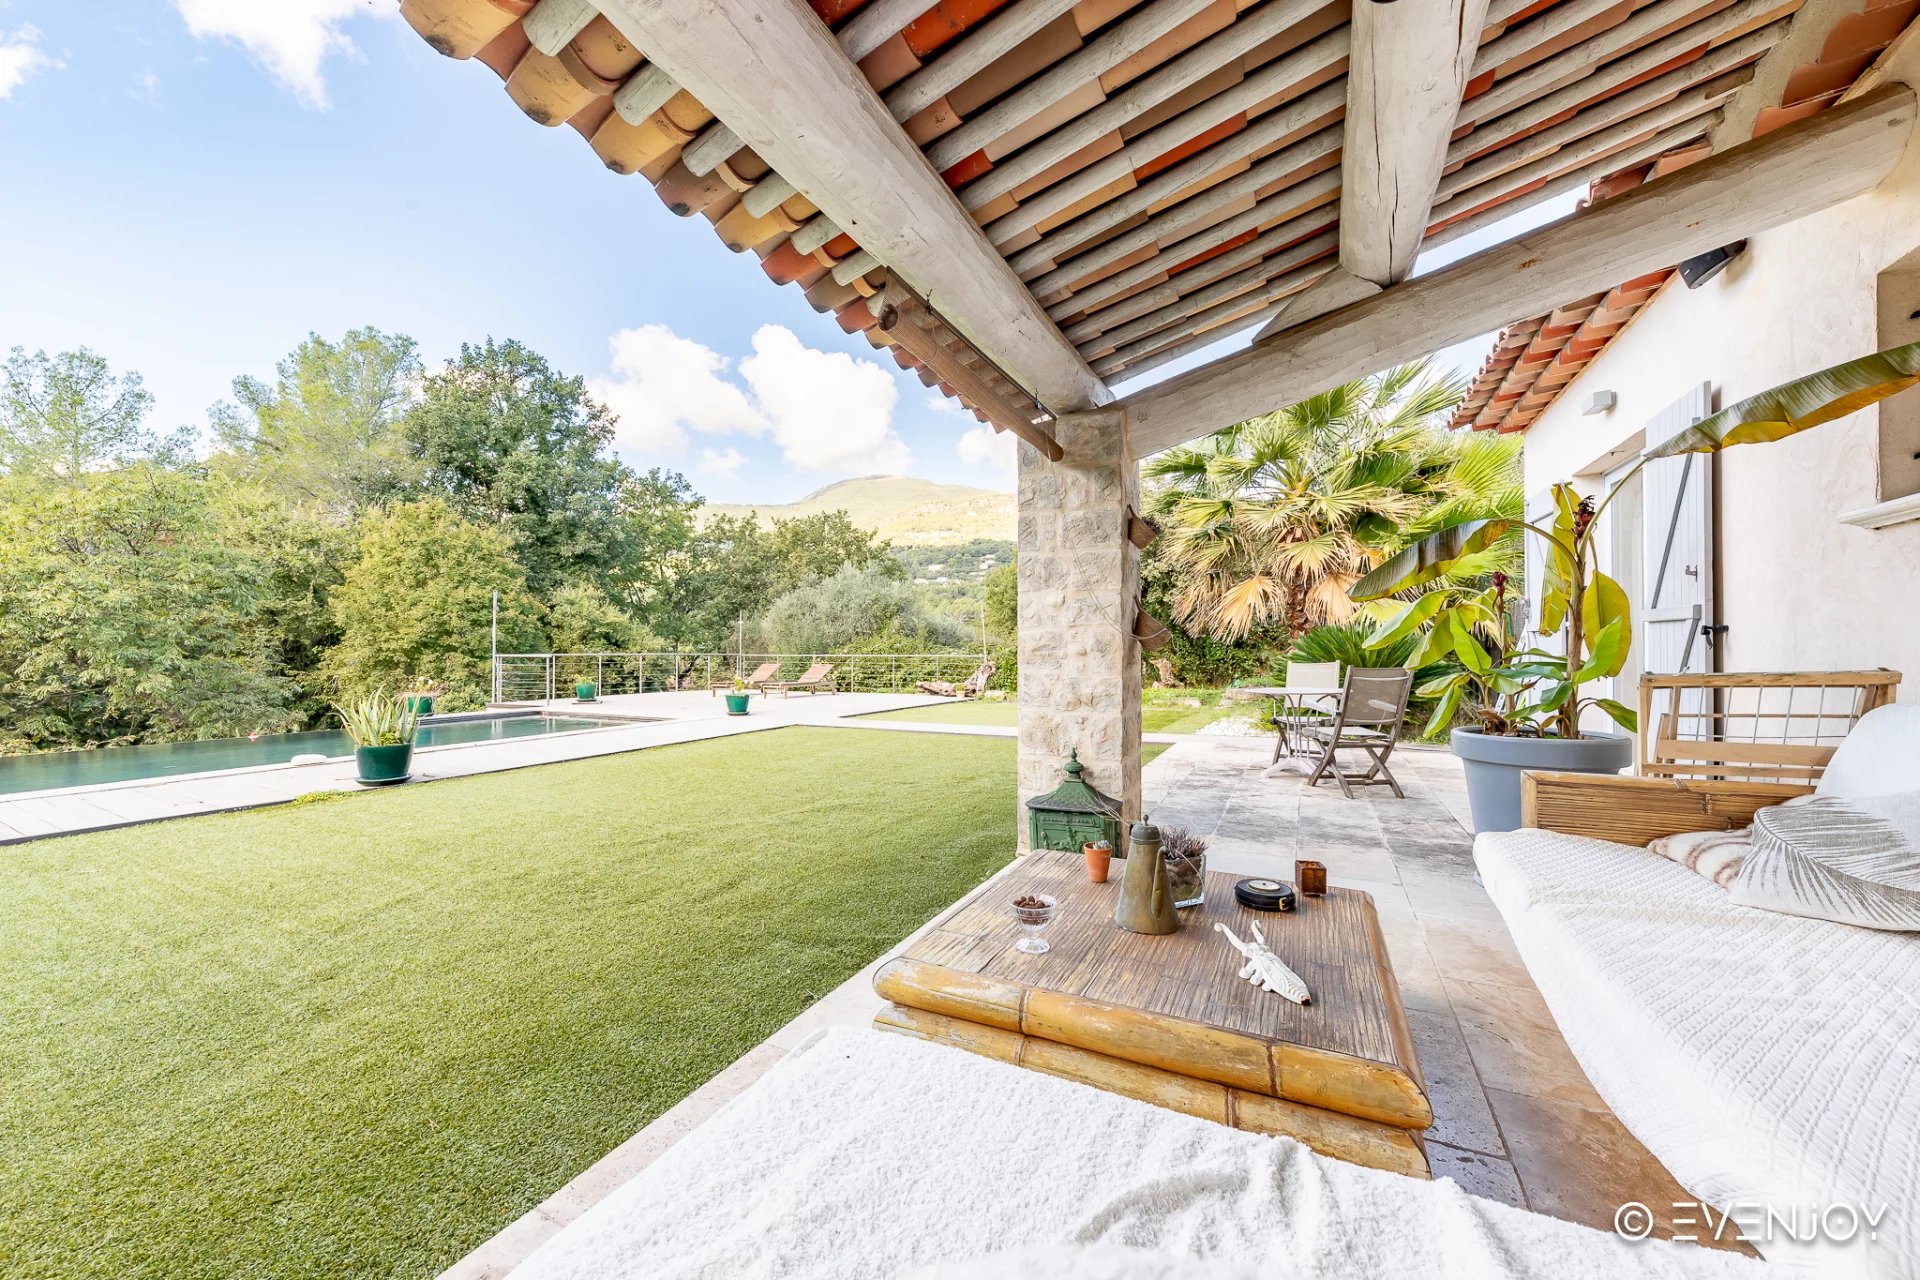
(873, 1155)
(1764, 1058)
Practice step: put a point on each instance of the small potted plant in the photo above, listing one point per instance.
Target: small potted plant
(1099, 856)
(382, 730)
(585, 690)
(418, 694)
(738, 697)
(1186, 857)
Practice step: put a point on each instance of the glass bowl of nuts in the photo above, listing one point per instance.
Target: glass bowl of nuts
(1034, 911)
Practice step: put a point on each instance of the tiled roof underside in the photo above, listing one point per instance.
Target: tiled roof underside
(1533, 361)
(1159, 172)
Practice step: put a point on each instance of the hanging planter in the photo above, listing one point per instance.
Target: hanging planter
(1140, 530)
(1150, 631)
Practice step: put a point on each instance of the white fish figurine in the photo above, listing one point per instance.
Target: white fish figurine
(1265, 969)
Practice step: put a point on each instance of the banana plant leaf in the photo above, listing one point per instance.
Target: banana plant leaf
(1429, 558)
(1796, 406)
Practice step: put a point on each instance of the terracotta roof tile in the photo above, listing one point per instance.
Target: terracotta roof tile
(1130, 121)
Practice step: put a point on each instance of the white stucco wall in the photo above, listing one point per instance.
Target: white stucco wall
(1800, 590)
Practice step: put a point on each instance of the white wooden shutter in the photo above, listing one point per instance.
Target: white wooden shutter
(1678, 507)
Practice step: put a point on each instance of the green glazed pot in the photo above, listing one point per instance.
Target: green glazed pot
(421, 704)
(382, 766)
(737, 703)
(586, 691)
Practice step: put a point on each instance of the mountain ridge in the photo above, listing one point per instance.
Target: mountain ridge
(906, 509)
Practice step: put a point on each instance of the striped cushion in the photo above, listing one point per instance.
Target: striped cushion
(1717, 855)
(1850, 861)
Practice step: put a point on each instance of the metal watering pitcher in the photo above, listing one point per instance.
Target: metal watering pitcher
(1146, 903)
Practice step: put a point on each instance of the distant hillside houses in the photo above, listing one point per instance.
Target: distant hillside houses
(969, 561)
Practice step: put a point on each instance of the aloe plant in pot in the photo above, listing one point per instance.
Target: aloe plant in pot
(382, 730)
(1529, 701)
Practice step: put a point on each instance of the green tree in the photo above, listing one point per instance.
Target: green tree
(418, 599)
(124, 616)
(819, 545)
(511, 442)
(69, 414)
(661, 513)
(325, 433)
(857, 608)
(1268, 523)
(1003, 602)
(734, 568)
(582, 618)
(299, 555)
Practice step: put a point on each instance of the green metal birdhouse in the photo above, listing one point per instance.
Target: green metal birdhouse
(1072, 814)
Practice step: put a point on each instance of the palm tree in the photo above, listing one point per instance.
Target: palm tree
(1271, 520)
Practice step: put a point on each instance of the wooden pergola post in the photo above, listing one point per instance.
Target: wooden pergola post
(1079, 588)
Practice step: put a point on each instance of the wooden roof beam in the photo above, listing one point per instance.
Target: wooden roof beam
(771, 70)
(912, 324)
(1787, 174)
(1408, 73)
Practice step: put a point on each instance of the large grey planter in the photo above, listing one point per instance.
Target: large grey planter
(1494, 765)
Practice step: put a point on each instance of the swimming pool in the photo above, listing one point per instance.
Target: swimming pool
(52, 769)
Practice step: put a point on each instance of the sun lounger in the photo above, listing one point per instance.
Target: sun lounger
(818, 679)
(758, 680)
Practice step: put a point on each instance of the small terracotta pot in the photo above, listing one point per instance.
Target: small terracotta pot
(1098, 860)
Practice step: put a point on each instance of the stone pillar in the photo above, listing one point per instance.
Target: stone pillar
(1079, 587)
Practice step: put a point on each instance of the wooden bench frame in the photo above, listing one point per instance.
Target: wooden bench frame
(1671, 796)
(1806, 713)
(1635, 810)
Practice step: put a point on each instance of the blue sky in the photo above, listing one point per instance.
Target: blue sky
(190, 186)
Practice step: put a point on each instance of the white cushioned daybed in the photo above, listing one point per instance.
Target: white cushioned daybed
(1766, 1059)
(866, 1154)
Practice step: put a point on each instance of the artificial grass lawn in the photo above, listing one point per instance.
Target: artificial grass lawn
(1007, 715)
(359, 1037)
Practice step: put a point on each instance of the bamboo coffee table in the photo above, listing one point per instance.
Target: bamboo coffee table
(1168, 1019)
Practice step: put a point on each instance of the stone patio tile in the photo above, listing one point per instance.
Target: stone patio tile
(1477, 1174)
(1515, 1044)
(1476, 951)
(1461, 1116)
(1449, 894)
(500, 1255)
(1582, 1165)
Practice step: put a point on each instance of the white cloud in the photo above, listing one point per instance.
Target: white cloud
(720, 464)
(290, 38)
(665, 385)
(21, 57)
(828, 411)
(939, 402)
(146, 86)
(985, 447)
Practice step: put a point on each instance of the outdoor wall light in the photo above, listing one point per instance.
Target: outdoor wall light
(1696, 271)
(1599, 402)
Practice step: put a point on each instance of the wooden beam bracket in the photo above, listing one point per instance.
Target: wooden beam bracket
(906, 318)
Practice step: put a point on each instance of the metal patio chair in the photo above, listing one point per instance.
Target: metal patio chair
(1294, 715)
(1372, 712)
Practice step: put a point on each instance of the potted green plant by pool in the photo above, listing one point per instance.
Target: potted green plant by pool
(420, 693)
(585, 690)
(382, 730)
(1529, 701)
(738, 698)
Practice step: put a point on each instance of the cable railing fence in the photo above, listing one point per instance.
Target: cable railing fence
(543, 677)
